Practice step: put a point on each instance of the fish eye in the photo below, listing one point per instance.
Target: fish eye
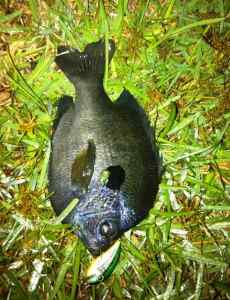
(107, 229)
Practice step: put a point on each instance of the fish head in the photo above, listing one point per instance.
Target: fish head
(102, 213)
(101, 217)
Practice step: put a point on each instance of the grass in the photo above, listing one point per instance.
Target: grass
(173, 56)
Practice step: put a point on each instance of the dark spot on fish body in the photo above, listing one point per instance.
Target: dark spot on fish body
(116, 177)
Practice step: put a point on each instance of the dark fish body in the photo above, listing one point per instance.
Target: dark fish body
(93, 135)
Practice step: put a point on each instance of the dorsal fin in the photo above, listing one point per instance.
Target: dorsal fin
(127, 101)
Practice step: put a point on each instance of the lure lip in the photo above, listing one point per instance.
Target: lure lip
(103, 265)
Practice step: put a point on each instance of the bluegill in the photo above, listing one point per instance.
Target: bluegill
(103, 153)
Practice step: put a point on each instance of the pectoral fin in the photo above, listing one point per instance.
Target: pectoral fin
(83, 167)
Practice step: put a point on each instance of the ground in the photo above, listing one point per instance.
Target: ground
(173, 56)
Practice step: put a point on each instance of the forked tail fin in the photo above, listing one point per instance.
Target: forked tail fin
(86, 65)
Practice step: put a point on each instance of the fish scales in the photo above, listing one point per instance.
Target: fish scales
(93, 135)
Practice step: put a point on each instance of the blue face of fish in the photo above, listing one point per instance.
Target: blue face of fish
(101, 217)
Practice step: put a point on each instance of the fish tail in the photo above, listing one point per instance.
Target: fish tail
(84, 65)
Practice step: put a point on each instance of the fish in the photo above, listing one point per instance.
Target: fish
(104, 153)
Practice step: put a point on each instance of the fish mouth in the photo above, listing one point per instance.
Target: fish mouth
(104, 261)
(88, 230)
(92, 246)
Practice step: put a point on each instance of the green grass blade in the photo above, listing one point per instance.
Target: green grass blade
(65, 266)
(44, 168)
(169, 9)
(184, 123)
(9, 17)
(187, 28)
(76, 270)
(66, 211)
